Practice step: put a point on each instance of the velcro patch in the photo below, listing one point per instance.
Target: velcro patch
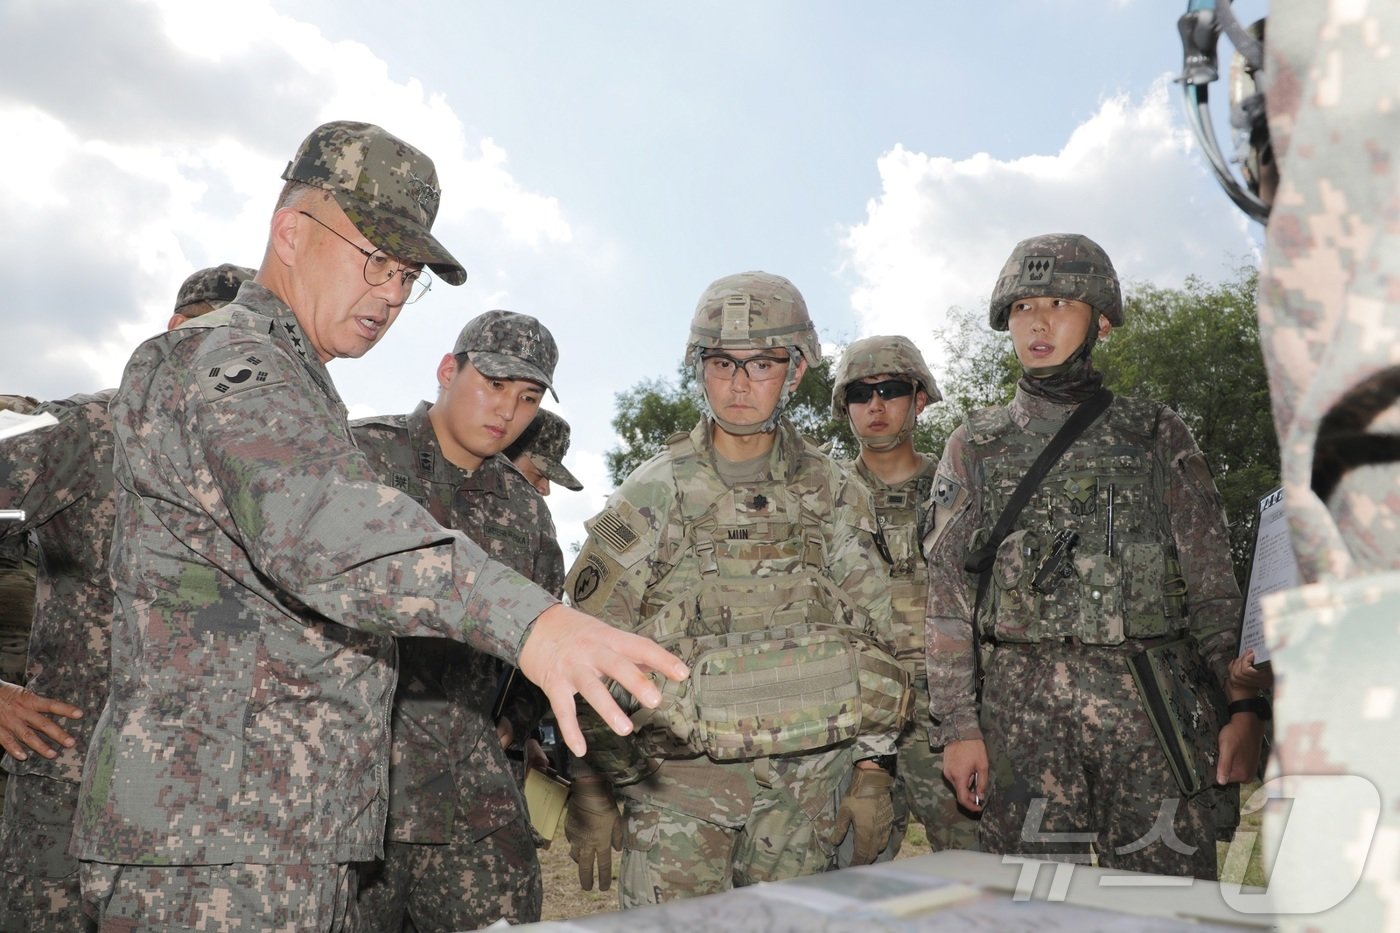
(1037, 270)
(945, 491)
(613, 531)
(225, 379)
(594, 578)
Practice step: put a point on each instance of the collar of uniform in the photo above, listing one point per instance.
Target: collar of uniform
(433, 467)
(782, 459)
(1037, 414)
(285, 330)
(927, 467)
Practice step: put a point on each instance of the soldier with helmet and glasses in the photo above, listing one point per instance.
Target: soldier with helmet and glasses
(1114, 549)
(754, 557)
(882, 385)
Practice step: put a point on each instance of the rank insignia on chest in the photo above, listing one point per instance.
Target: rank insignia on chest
(426, 461)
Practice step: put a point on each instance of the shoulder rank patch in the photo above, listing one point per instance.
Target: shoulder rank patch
(225, 379)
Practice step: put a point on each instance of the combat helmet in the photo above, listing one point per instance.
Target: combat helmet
(1058, 265)
(752, 311)
(873, 356)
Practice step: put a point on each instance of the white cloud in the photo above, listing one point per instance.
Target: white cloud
(939, 231)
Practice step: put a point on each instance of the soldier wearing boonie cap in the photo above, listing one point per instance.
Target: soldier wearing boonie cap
(459, 853)
(540, 451)
(260, 571)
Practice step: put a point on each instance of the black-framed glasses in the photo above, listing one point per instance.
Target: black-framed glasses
(757, 368)
(380, 267)
(859, 393)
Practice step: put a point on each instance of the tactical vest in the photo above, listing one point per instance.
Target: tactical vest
(782, 661)
(1091, 556)
(902, 514)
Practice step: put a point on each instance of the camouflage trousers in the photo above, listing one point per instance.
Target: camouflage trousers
(1076, 767)
(39, 888)
(462, 885)
(220, 898)
(698, 827)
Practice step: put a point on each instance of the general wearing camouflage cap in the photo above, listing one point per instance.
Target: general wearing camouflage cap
(874, 356)
(387, 188)
(216, 285)
(507, 345)
(545, 442)
(1058, 265)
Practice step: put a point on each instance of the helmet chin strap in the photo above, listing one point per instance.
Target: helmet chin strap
(771, 422)
(881, 444)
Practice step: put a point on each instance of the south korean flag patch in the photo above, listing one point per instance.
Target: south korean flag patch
(222, 379)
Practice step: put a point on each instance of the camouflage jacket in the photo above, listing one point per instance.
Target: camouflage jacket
(637, 558)
(259, 568)
(903, 511)
(62, 477)
(1180, 488)
(446, 764)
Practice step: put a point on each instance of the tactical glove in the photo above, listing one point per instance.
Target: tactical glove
(593, 828)
(868, 807)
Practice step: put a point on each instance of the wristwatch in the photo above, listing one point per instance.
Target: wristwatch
(1259, 706)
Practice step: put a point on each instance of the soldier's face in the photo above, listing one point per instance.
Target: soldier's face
(342, 314)
(882, 417)
(1047, 331)
(475, 416)
(744, 401)
(527, 468)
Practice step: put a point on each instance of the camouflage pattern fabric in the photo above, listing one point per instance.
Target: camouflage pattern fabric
(62, 477)
(773, 812)
(387, 188)
(920, 789)
(1177, 501)
(220, 898)
(1326, 307)
(510, 345)
(248, 721)
(40, 892)
(456, 828)
(546, 441)
(19, 567)
(217, 285)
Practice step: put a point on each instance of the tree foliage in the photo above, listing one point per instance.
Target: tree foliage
(1195, 348)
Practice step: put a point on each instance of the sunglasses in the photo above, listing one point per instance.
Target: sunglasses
(859, 393)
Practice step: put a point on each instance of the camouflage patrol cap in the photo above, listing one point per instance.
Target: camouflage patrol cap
(546, 441)
(754, 311)
(216, 284)
(507, 345)
(1058, 265)
(19, 404)
(387, 188)
(872, 356)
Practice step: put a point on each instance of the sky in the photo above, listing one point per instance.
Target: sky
(601, 163)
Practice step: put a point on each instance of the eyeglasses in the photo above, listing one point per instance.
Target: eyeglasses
(764, 368)
(381, 268)
(859, 393)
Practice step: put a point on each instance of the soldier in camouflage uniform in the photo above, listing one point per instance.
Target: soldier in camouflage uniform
(260, 572)
(539, 453)
(458, 852)
(1327, 308)
(62, 477)
(882, 385)
(755, 557)
(18, 568)
(1064, 753)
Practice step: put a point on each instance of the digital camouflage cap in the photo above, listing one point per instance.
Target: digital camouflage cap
(216, 285)
(1058, 265)
(546, 441)
(387, 188)
(873, 356)
(507, 345)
